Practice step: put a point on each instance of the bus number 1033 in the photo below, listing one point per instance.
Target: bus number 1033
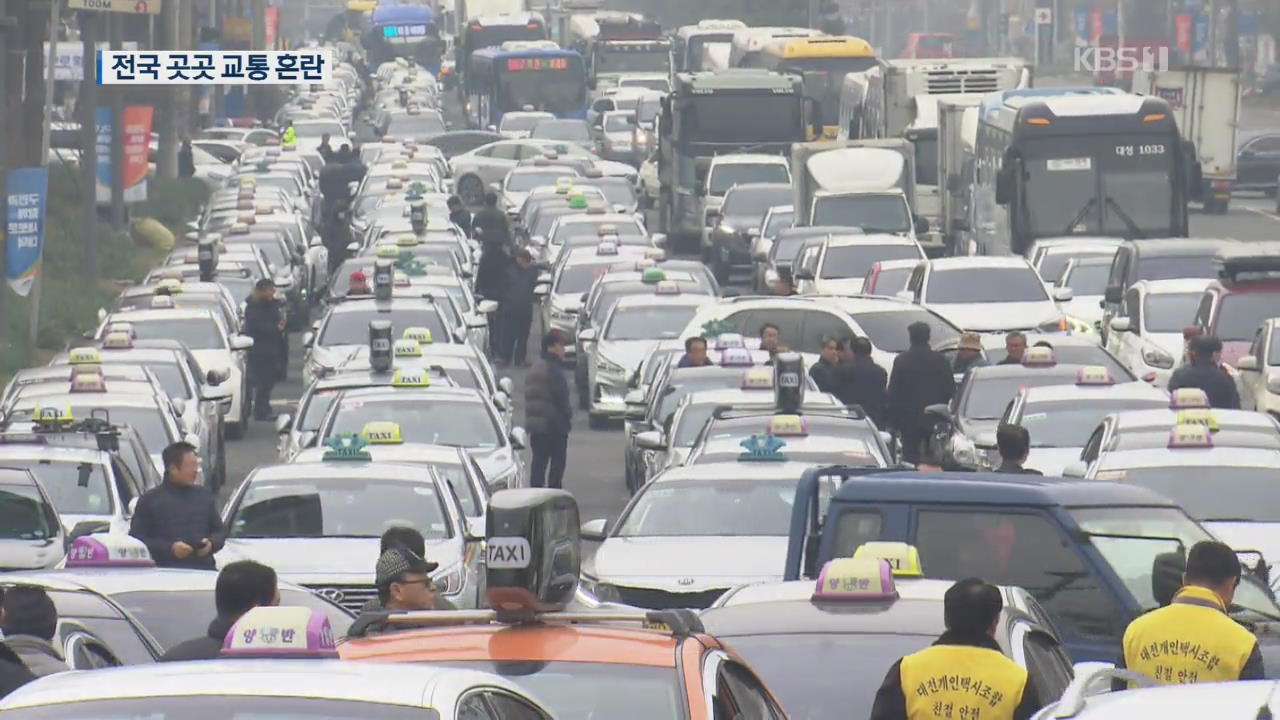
(1131, 150)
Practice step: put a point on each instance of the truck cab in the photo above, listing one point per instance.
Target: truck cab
(1094, 554)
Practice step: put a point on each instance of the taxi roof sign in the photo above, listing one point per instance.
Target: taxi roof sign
(1198, 416)
(267, 631)
(667, 287)
(577, 202)
(762, 448)
(162, 302)
(730, 340)
(1038, 357)
(381, 432)
(653, 276)
(607, 248)
(240, 228)
(406, 240)
(108, 550)
(736, 357)
(118, 340)
(1190, 436)
(395, 184)
(387, 251)
(654, 254)
(245, 203)
(1184, 398)
(406, 348)
(864, 578)
(641, 265)
(52, 414)
(84, 356)
(903, 559)
(758, 378)
(1094, 375)
(89, 382)
(415, 377)
(346, 447)
(417, 334)
(170, 285)
(248, 181)
(788, 426)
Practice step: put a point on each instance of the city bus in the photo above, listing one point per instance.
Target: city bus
(822, 62)
(536, 75)
(747, 48)
(1087, 163)
(482, 31)
(694, 44)
(408, 31)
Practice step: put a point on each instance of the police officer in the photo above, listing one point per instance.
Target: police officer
(988, 684)
(1196, 618)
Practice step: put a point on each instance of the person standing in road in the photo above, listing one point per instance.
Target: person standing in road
(1197, 617)
(860, 381)
(968, 652)
(1015, 344)
(969, 353)
(695, 353)
(823, 371)
(492, 223)
(325, 149)
(30, 622)
(548, 414)
(1205, 372)
(1014, 443)
(264, 322)
(458, 214)
(242, 586)
(178, 520)
(517, 308)
(186, 159)
(921, 377)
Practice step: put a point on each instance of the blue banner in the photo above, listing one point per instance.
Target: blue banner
(1080, 16)
(1199, 31)
(102, 123)
(27, 190)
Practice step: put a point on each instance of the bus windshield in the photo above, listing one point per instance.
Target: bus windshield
(1120, 185)
(830, 72)
(561, 89)
(632, 58)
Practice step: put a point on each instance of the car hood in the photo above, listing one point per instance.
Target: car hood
(30, 554)
(1052, 460)
(993, 317)
(627, 353)
(322, 556)
(838, 286)
(690, 564)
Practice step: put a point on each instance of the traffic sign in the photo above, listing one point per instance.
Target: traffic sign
(132, 7)
(1044, 16)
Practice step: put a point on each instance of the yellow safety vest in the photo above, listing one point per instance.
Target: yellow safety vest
(959, 682)
(1192, 640)
(290, 137)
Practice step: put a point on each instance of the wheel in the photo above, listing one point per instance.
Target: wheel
(471, 190)
(220, 477)
(584, 393)
(720, 269)
(597, 422)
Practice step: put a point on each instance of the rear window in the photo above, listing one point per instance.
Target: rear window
(1176, 266)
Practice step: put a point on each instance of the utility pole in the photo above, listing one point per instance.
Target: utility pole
(88, 107)
(5, 22)
(1231, 38)
(117, 130)
(167, 117)
(50, 58)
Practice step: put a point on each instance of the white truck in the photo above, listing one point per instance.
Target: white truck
(869, 184)
(957, 138)
(1206, 106)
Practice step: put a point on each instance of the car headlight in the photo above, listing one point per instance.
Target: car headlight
(449, 581)
(604, 364)
(726, 229)
(603, 592)
(1273, 383)
(1157, 358)
(1056, 325)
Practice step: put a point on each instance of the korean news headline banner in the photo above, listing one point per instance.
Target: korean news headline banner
(27, 190)
(215, 67)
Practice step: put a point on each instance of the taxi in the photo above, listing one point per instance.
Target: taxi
(345, 329)
(1227, 488)
(209, 295)
(1090, 697)
(1149, 429)
(627, 334)
(33, 536)
(465, 364)
(965, 429)
(803, 636)
(1059, 418)
(1143, 328)
(691, 533)
(843, 437)
(568, 284)
(319, 524)
(642, 665)
(584, 228)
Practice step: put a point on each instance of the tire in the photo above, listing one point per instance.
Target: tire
(236, 430)
(584, 393)
(471, 190)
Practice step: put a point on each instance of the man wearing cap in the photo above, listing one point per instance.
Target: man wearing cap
(30, 621)
(178, 520)
(264, 322)
(1205, 372)
(968, 353)
(403, 579)
(358, 284)
(242, 586)
(984, 683)
(399, 536)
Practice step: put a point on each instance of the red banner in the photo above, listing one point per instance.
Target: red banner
(1095, 24)
(137, 143)
(1182, 31)
(271, 21)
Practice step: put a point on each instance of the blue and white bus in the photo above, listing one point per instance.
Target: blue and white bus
(531, 75)
(408, 31)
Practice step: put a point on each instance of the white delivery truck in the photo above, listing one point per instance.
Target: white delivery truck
(1206, 105)
(957, 138)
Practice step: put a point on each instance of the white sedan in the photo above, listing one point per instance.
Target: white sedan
(987, 294)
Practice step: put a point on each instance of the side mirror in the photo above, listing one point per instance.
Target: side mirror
(484, 307)
(1075, 470)
(307, 439)
(353, 248)
(941, 411)
(1063, 294)
(308, 338)
(502, 401)
(594, 530)
(476, 322)
(635, 405)
(179, 406)
(241, 342)
(1113, 294)
(1121, 324)
(760, 256)
(496, 187)
(658, 239)
(588, 335)
(651, 440)
(316, 241)
(542, 289)
(217, 377)
(713, 219)
(805, 273)
(1248, 363)
(507, 386)
(476, 529)
(102, 314)
(519, 438)
(492, 128)
(753, 232)
(283, 423)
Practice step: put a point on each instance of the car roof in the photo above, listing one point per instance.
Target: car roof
(1175, 702)
(993, 489)
(428, 393)
(403, 457)
(1072, 244)
(399, 302)
(749, 158)
(1215, 457)
(1167, 418)
(627, 302)
(535, 642)
(48, 453)
(1171, 247)
(380, 470)
(97, 399)
(1019, 370)
(736, 397)
(872, 239)
(1127, 391)
(143, 315)
(115, 580)
(736, 471)
(978, 261)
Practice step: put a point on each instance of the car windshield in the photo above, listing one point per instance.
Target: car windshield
(785, 249)
(173, 617)
(521, 123)
(568, 130)
(648, 323)
(216, 707)
(753, 202)
(526, 181)
(1088, 280)
(693, 418)
(809, 672)
(891, 281)
(415, 126)
(887, 330)
(731, 507)
(74, 488)
(316, 129)
(777, 221)
(147, 422)
(726, 175)
(171, 379)
(617, 191)
(1173, 267)
(988, 396)
(426, 419)
(24, 515)
(577, 279)
(985, 285)
(312, 413)
(678, 391)
(197, 333)
(1235, 493)
(580, 689)
(1053, 263)
(659, 84)
(352, 328)
(1140, 534)
(853, 261)
(872, 213)
(1169, 312)
(1241, 314)
(618, 122)
(353, 507)
(1068, 424)
(592, 229)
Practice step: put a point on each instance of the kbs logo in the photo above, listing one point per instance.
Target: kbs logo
(1093, 59)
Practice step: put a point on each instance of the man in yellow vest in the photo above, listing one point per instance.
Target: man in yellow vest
(963, 674)
(1193, 640)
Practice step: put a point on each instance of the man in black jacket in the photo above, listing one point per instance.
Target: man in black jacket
(1014, 443)
(492, 223)
(178, 520)
(264, 322)
(186, 159)
(548, 415)
(458, 214)
(518, 300)
(921, 377)
(823, 371)
(860, 381)
(1205, 372)
(242, 586)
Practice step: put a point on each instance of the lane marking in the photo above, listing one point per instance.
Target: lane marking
(1264, 213)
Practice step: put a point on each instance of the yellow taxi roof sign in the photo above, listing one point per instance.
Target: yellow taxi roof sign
(248, 181)
(1190, 436)
(84, 356)
(1198, 416)
(1184, 398)
(407, 240)
(170, 285)
(404, 348)
(758, 378)
(52, 414)
(381, 433)
(387, 251)
(788, 426)
(410, 378)
(862, 578)
(420, 334)
(903, 559)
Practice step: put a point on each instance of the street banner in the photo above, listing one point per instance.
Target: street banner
(137, 148)
(26, 199)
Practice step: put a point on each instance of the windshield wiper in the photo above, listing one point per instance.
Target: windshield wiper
(1128, 221)
(1080, 215)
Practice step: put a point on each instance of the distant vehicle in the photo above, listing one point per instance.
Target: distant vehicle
(929, 45)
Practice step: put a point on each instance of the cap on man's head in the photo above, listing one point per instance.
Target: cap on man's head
(397, 561)
(970, 341)
(357, 277)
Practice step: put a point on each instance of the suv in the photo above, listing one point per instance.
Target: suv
(1245, 295)
(31, 536)
(1167, 259)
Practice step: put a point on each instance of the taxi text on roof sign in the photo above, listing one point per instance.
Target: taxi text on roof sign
(788, 426)
(304, 66)
(1198, 416)
(381, 433)
(108, 550)
(736, 357)
(420, 334)
(346, 447)
(1094, 375)
(855, 579)
(903, 559)
(758, 378)
(1190, 436)
(1184, 398)
(407, 349)
(84, 356)
(410, 378)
